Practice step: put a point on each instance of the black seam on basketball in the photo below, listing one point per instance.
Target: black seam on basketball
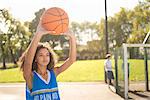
(54, 21)
(59, 25)
(60, 19)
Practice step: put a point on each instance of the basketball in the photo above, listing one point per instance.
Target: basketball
(55, 19)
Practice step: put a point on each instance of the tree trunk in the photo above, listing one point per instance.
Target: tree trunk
(4, 63)
(3, 57)
(12, 55)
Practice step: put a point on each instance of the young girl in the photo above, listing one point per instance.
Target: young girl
(39, 70)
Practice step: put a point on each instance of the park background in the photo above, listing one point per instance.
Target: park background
(124, 26)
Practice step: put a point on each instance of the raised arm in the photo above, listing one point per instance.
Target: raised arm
(27, 66)
(72, 54)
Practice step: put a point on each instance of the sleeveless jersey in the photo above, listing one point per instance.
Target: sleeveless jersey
(42, 89)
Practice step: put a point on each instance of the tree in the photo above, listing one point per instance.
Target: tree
(5, 18)
(3, 49)
(13, 37)
(89, 39)
(140, 18)
(127, 26)
(85, 31)
(102, 37)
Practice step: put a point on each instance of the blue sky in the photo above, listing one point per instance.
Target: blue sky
(78, 10)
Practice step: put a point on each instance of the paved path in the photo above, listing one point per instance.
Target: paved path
(68, 91)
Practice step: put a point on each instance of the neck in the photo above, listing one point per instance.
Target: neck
(42, 70)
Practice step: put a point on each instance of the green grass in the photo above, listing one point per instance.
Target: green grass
(84, 70)
(87, 70)
(136, 70)
(11, 75)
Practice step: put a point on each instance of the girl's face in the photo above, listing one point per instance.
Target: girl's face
(43, 57)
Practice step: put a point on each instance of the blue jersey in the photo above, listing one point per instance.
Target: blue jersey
(42, 89)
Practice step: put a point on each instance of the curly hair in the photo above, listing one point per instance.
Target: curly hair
(40, 46)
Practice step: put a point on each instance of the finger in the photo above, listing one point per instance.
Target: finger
(63, 33)
(51, 32)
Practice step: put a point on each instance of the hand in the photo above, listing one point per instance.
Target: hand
(68, 33)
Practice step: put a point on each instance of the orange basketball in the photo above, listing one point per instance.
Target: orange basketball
(55, 19)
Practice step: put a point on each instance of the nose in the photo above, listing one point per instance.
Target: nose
(45, 58)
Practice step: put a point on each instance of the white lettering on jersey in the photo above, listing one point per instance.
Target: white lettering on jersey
(36, 97)
(41, 97)
(48, 97)
(54, 95)
(45, 97)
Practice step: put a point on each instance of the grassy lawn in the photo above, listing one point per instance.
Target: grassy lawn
(11, 75)
(84, 70)
(87, 70)
(136, 70)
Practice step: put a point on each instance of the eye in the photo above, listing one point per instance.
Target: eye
(40, 55)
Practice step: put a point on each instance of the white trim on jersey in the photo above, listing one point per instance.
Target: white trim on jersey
(28, 90)
(44, 91)
(49, 76)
